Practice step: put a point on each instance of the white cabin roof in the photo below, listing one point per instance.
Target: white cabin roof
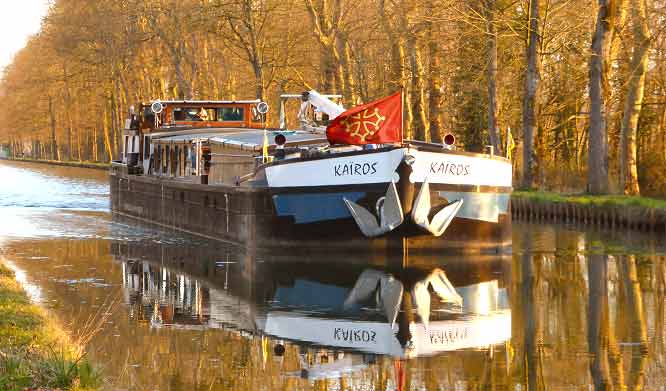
(245, 139)
(177, 102)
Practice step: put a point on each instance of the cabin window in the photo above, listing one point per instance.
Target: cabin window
(193, 159)
(174, 161)
(158, 158)
(165, 167)
(193, 114)
(184, 165)
(230, 114)
(146, 147)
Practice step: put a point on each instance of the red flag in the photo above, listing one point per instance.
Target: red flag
(376, 122)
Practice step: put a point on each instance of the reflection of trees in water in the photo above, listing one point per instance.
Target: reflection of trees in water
(598, 325)
(606, 362)
(530, 314)
(579, 300)
(636, 321)
(578, 318)
(554, 289)
(657, 342)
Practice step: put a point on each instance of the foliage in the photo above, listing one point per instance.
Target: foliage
(67, 92)
(32, 351)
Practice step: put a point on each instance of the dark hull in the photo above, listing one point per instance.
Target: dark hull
(257, 217)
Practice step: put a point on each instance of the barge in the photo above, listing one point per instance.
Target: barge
(339, 179)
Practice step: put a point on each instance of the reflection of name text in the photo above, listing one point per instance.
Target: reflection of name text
(355, 169)
(445, 168)
(446, 337)
(351, 335)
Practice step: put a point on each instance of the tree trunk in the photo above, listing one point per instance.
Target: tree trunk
(417, 100)
(68, 112)
(530, 97)
(114, 125)
(55, 154)
(258, 79)
(613, 87)
(597, 159)
(493, 131)
(634, 100)
(107, 136)
(79, 129)
(94, 145)
(184, 87)
(344, 53)
(396, 70)
(79, 147)
(324, 29)
(662, 131)
(327, 73)
(434, 83)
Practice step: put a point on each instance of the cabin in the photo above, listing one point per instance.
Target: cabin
(211, 142)
(228, 155)
(183, 114)
(175, 115)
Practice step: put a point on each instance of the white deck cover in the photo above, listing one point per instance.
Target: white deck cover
(247, 139)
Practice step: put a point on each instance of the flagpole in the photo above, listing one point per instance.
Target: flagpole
(402, 114)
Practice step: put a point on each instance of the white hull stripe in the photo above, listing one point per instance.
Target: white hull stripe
(376, 167)
(380, 167)
(460, 169)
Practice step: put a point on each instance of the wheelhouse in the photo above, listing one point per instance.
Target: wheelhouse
(199, 114)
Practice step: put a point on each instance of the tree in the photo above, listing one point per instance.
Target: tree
(530, 96)
(458, 63)
(493, 128)
(634, 99)
(597, 162)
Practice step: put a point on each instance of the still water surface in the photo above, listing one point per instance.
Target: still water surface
(570, 309)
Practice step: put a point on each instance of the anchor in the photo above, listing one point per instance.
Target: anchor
(388, 210)
(441, 220)
(442, 287)
(389, 293)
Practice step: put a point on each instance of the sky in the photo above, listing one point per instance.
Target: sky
(19, 19)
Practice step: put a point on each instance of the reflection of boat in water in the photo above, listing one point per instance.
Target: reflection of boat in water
(349, 309)
(480, 322)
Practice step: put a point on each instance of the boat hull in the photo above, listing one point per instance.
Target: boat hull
(312, 216)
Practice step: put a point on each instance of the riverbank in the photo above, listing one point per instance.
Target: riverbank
(83, 164)
(609, 211)
(35, 353)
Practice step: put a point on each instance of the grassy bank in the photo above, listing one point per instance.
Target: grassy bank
(82, 164)
(35, 353)
(618, 201)
(612, 211)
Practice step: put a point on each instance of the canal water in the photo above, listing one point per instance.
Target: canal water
(571, 308)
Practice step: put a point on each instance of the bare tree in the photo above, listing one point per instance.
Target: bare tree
(597, 161)
(634, 99)
(493, 128)
(530, 96)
